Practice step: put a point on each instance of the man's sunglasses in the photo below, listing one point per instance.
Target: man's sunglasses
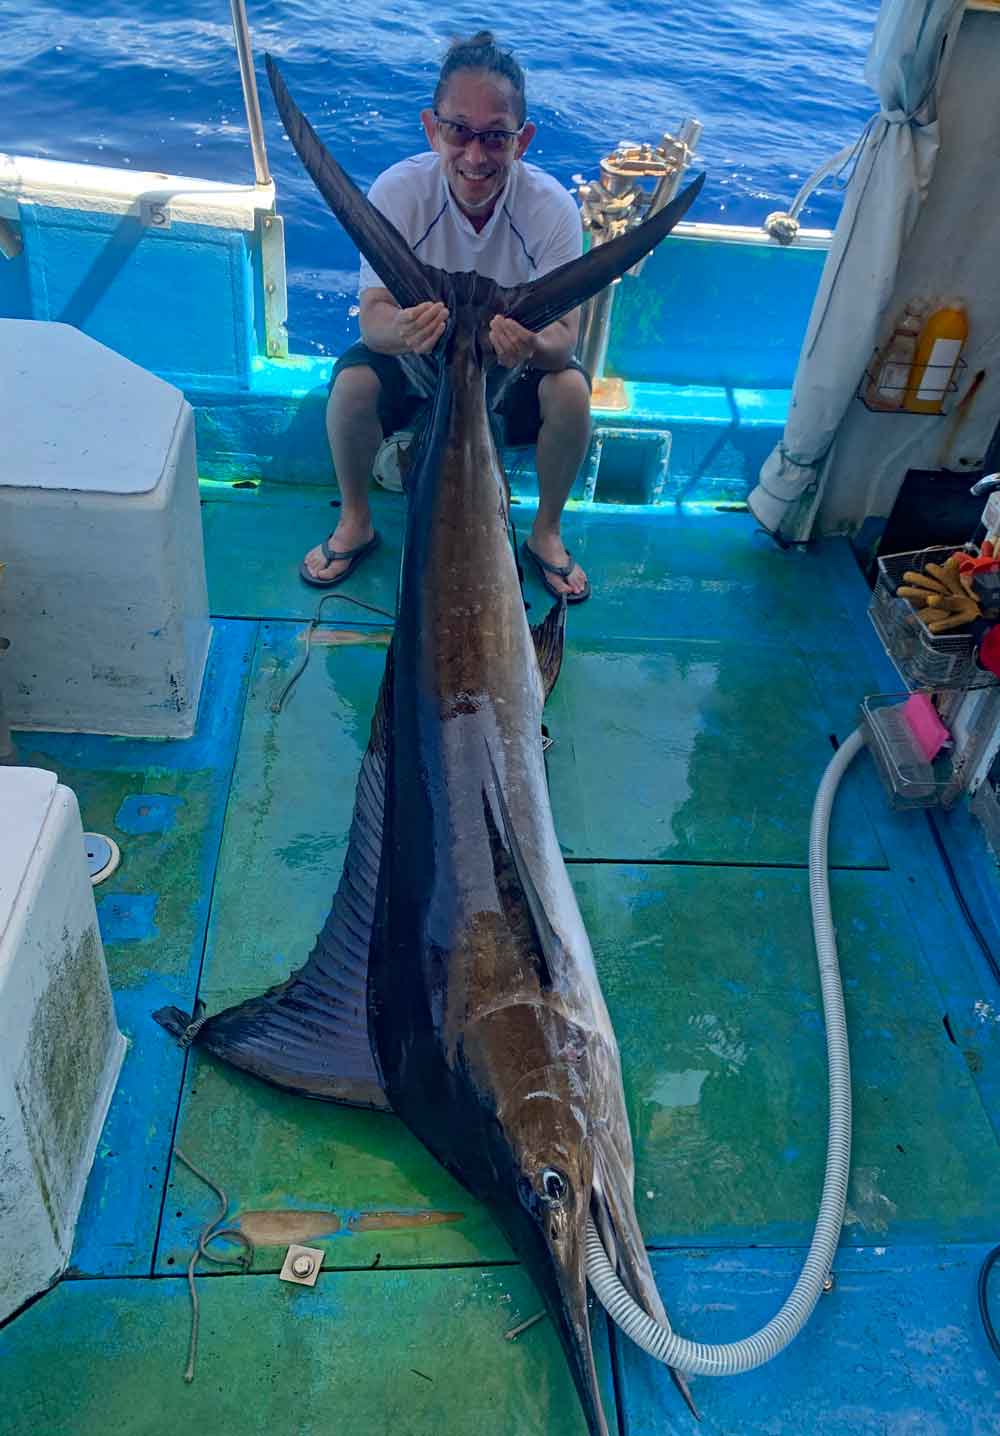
(461, 135)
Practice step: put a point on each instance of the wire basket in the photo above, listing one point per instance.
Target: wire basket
(873, 381)
(923, 659)
(909, 779)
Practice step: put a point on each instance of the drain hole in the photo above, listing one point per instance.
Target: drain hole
(946, 1020)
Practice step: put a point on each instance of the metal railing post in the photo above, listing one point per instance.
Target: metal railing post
(241, 32)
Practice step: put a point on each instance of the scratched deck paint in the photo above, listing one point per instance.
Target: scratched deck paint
(698, 914)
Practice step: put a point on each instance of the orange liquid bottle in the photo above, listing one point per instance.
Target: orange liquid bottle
(938, 351)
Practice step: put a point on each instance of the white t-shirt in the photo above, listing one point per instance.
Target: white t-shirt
(534, 227)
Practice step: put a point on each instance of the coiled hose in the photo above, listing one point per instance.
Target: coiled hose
(727, 1359)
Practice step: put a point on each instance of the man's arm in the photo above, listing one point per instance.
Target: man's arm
(387, 329)
(556, 343)
(550, 349)
(553, 347)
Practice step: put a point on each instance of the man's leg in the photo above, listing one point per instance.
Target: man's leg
(564, 402)
(354, 431)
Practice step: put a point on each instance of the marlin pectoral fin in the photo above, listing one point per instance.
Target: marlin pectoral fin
(549, 637)
(407, 280)
(544, 300)
(309, 1035)
(550, 944)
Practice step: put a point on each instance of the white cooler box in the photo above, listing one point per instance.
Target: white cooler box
(104, 598)
(60, 1048)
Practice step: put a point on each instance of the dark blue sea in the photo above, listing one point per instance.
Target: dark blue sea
(154, 84)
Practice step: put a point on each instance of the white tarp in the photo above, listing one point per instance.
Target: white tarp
(883, 199)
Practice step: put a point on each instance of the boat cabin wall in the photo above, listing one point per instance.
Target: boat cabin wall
(951, 255)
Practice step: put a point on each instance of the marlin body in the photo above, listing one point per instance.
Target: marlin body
(453, 982)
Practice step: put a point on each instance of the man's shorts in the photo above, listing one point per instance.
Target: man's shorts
(399, 405)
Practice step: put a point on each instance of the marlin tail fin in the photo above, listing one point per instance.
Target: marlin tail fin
(544, 300)
(407, 280)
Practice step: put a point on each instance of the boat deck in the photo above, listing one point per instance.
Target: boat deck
(702, 690)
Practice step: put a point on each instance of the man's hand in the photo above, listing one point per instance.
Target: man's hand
(419, 329)
(512, 343)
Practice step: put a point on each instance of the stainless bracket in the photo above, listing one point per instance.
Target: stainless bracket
(302, 1265)
(11, 243)
(272, 259)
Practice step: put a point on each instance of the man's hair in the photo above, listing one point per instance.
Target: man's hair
(482, 52)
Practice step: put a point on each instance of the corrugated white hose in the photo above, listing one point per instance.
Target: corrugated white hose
(696, 1357)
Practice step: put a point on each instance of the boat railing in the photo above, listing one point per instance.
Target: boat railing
(251, 99)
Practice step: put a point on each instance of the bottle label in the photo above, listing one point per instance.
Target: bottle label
(939, 368)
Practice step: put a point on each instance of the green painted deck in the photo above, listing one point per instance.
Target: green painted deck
(702, 687)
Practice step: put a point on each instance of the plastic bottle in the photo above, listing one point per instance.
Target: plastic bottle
(938, 351)
(892, 366)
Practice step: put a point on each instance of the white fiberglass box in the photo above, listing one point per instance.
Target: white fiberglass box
(60, 1048)
(104, 599)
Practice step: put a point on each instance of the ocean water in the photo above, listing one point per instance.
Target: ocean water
(154, 85)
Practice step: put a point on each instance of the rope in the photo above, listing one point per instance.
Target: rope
(198, 1019)
(278, 704)
(209, 1233)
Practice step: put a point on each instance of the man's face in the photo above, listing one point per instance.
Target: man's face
(476, 171)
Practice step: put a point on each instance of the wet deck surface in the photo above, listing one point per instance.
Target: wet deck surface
(701, 690)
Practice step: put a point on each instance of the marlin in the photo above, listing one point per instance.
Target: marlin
(453, 982)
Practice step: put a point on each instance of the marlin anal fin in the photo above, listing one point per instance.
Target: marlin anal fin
(309, 1035)
(549, 638)
(613, 1210)
(407, 280)
(544, 300)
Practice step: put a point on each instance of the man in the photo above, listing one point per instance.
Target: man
(467, 204)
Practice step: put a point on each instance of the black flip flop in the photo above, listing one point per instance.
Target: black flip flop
(355, 555)
(560, 570)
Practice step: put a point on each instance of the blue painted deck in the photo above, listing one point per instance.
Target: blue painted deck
(693, 719)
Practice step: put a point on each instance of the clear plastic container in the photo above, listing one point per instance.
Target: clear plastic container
(910, 780)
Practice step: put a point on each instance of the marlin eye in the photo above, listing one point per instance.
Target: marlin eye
(555, 1186)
